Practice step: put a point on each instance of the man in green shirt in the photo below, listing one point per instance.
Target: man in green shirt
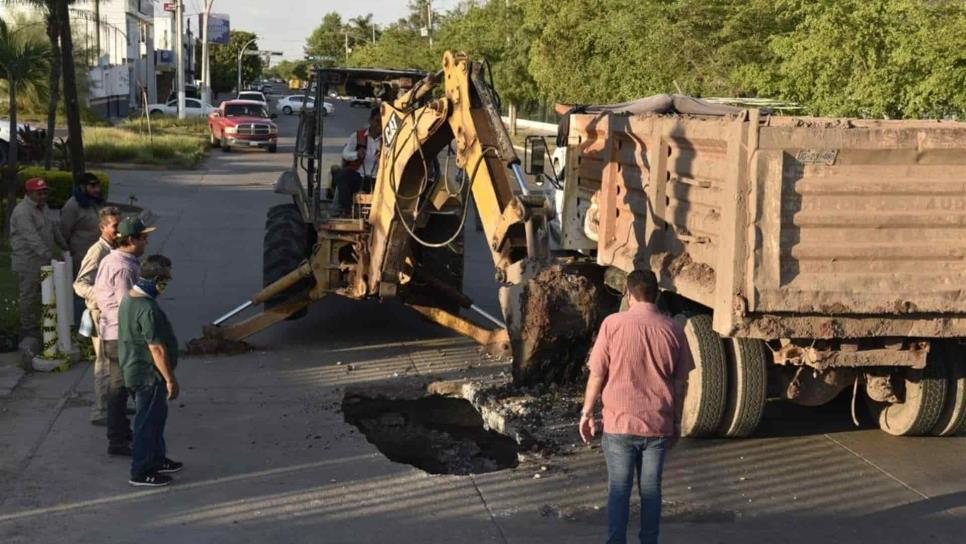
(148, 354)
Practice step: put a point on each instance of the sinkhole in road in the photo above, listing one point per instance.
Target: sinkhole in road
(439, 435)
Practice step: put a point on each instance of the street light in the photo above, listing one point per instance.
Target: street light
(240, 53)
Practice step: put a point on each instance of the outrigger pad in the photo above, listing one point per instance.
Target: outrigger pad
(562, 308)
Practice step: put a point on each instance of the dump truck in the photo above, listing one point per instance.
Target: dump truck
(804, 256)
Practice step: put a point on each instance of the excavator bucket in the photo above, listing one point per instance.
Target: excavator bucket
(554, 317)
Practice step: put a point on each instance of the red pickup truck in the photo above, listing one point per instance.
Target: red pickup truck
(245, 123)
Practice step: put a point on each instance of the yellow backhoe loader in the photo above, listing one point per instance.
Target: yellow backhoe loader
(404, 239)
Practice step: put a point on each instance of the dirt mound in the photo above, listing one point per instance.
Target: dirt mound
(563, 307)
(214, 345)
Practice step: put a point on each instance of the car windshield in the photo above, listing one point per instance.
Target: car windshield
(245, 110)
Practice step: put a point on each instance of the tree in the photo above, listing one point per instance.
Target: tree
(75, 138)
(22, 62)
(328, 39)
(224, 62)
(362, 28)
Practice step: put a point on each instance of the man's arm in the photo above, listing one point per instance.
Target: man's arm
(68, 219)
(349, 152)
(160, 356)
(598, 363)
(84, 284)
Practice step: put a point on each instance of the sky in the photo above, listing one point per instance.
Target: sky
(283, 25)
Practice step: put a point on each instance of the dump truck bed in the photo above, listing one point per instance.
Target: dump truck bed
(787, 227)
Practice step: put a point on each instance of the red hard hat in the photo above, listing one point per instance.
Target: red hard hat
(35, 184)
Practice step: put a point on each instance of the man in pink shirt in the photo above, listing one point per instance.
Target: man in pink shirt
(640, 362)
(115, 277)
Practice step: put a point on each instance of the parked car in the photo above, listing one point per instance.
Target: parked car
(32, 141)
(362, 102)
(193, 108)
(293, 103)
(245, 123)
(257, 96)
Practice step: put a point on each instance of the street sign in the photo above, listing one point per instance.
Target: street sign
(219, 27)
(169, 6)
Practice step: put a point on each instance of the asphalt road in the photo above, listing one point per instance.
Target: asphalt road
(270, 459)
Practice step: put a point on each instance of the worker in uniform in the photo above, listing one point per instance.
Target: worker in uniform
(80, 224)
(33, 236)
(360, 162)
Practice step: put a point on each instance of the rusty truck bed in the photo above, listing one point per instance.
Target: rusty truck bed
(787, 227)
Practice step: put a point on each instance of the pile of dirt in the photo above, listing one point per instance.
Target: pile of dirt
(215, 345)
(563, 308)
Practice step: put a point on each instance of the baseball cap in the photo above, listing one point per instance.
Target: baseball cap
(35, 184)
(132, 226)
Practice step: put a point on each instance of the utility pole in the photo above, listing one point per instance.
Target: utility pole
(179, 23)
(429, 21)
(97, 29)
(205, 68)
(373, 33)
(346, 47)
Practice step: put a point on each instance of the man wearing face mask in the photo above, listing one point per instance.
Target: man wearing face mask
(148, 352)
(115, 277)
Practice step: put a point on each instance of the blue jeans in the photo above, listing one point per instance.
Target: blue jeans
(148, 448)
(629, 456)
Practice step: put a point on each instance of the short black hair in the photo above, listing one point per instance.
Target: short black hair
(642, 285)
(156, 267)
(88, 178)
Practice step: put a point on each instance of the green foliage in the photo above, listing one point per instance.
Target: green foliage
(289, 69)
(224, 62)
(174, 148)
(872, 58)
(328, 39)
(61, 183)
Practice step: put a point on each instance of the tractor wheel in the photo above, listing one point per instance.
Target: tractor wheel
(952, 420)
(286, 245)
(747, 361)
(443, 263)
(704, 404)
(923, 402)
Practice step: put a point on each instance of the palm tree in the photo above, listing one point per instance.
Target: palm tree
(53, 23)
(22, 62)
(75, 138)
(362, 27)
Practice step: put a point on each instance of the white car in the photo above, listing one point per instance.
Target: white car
(296, 102)
(192, 107)
(255, 96)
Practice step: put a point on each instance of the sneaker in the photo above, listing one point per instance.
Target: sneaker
(119, 451)
(168, 466)
(150, 480)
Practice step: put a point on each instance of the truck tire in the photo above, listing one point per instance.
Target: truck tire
(925, 397)
(704, 403)
(215, 142)
(286, 245)
(747, 362)
(952, 420)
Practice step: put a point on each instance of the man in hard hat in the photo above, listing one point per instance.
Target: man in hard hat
(32, 239)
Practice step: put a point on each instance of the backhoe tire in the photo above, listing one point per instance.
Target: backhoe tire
(704, 404)
(922, 406)
(443, 263)
(952, 420)
(287, 243)
(747, 361)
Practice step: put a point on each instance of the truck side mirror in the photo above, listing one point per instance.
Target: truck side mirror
(535, 153)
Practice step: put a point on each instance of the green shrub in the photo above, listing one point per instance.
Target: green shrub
(61, 183)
